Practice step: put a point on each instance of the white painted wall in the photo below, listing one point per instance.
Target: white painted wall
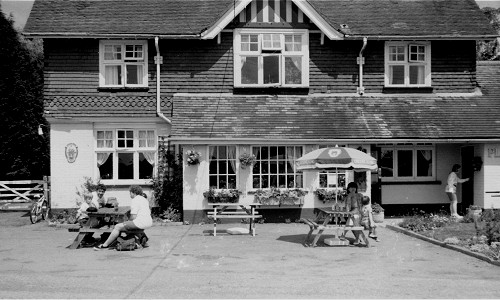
(491, 170)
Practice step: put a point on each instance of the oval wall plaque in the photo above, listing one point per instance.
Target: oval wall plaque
(71, 152)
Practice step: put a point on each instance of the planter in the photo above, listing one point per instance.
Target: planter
(475, 213)
(223, 199)
(278, 202)
(378, 217)
(292, 201)
(269, 201)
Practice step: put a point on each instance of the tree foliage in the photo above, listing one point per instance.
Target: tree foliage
(23, 153)
(490, 50)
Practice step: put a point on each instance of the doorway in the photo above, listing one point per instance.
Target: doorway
(467, 154)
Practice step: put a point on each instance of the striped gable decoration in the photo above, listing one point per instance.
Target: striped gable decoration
(272, 11)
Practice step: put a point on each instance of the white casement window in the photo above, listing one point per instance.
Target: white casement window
(408, 163)
(275, 166)
(265, 58)
(126, 155)
(407, 64)
(123, 64)
(222, 169)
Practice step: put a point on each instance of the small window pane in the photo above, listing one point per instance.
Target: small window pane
(112, 52)
(397, 74)
(249, 42)
(146, 163)
(293, 70)
(113, 75)
(125, 166)
(397, 53)
(106, 169)
(271, 69)
(424, 163)
(387, 163)
(134, 74)
(405, 163)
(293, 42)
(417, 74)
(249, 70)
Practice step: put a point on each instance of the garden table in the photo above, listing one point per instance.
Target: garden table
(330, 215)
(219, 212)
(101, 221)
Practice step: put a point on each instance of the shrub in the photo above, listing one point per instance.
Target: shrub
(491, 227)
(424, 222)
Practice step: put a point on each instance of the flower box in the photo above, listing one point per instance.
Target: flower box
(276, 196)
(222, 195)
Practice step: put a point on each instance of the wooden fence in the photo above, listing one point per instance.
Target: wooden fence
(23, 191)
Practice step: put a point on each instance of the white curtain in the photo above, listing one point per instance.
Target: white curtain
(211, 154)
(112, 74)
(150, 157)
(427, 155)
(290, 157)
(102, 158)
(231, 155)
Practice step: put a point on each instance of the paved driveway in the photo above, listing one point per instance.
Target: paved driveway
(186, 262)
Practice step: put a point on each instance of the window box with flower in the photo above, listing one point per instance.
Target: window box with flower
(277, 196)
(222, 195)
(193, 157)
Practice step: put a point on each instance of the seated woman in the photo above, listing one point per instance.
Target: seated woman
(140, 217)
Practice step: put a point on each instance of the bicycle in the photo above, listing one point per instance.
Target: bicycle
(39, 209)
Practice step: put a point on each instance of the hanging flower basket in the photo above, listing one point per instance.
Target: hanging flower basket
(247, 160)
(276, 196)
(222, 195)
(193, 157)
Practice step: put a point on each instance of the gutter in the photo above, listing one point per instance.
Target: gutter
(424, 37)
(361, 62)
(158, 61)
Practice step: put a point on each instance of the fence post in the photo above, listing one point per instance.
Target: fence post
(46, 185)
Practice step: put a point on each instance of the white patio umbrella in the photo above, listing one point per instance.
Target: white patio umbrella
(337, 158)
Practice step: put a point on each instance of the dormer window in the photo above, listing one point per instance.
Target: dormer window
(266, 58)
(123, 64)
(407, 64)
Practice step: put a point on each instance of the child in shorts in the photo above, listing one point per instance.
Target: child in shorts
(81, 215)
(367, 218)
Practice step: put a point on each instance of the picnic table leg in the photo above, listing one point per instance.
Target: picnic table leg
(311, 230)
(215, 220)
(79, 238)
(318, 235)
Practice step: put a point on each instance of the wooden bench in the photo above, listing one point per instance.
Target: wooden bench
(342, 229)
(234, 215)
(89, 232)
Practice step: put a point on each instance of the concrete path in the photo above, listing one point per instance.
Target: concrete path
(187, 262)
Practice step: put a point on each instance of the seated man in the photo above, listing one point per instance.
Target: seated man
(140, 217)
(98, 195)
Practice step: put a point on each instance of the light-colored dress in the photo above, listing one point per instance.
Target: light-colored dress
(453, 180)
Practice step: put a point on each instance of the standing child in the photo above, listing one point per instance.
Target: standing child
(81, 214)
(367, 218)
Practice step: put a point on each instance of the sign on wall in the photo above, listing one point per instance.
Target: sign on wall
(71, 152)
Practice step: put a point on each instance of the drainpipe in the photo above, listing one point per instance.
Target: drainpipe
(159, 61)
(361, 61)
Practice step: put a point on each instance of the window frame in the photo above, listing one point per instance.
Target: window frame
(261, 52)
(135, 150)
(123, 63)
(227, 160)
(269, 174)
(414, 149)
(407, 62)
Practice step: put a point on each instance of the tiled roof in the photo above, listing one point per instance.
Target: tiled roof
(124, 16)
(171, 17)
(406, 17)
(340, 117)
(103, 106)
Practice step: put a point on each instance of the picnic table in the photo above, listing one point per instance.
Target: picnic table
(340, 230)
(219, 212)
(101, 221)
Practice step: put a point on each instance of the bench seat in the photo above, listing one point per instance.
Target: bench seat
(234, 216)
(230, 213)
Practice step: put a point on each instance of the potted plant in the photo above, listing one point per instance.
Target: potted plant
(378, 213)
(474, 211)
(247, 160)
(193, 157)
(277, 196)
(222, 195)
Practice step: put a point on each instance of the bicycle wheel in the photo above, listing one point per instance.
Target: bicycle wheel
(34, 214)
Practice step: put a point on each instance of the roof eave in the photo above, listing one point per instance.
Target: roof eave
(422, 37)
(228, 16)
(83, 35)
